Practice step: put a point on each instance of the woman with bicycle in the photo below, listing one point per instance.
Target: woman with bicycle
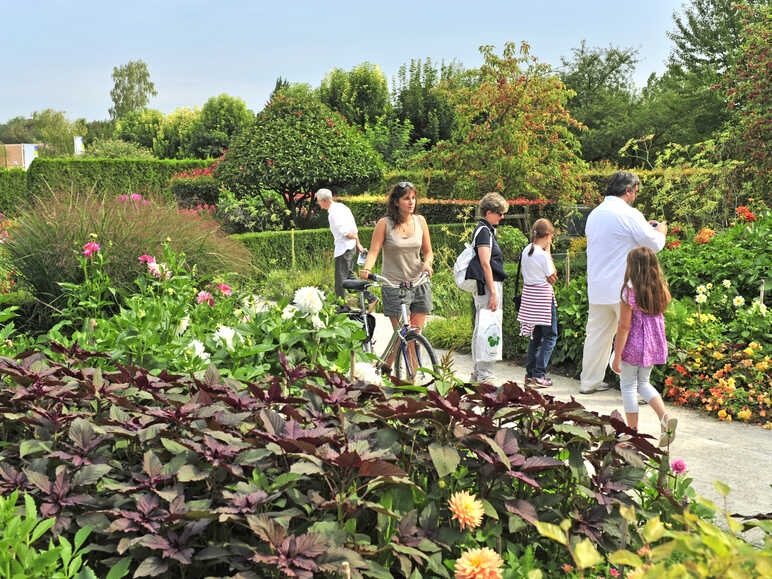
(404, 238)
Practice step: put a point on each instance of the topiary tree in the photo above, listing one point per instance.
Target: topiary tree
(140, 126)
(296, 146)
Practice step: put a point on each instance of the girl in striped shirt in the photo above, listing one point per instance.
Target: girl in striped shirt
(538, 309)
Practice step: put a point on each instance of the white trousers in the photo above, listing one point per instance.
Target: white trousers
(602, 320)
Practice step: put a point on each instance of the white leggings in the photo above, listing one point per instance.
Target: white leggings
(634, 380)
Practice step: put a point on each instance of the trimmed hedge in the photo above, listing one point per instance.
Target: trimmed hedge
(434, 184)
(193, 190)
(13, 190)
(273, 249)
(111, 176)
(368, 209)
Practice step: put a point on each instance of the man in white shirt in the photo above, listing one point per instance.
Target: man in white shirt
(613, 228)
(346, 236)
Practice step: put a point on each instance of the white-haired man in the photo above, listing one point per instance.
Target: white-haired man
(346, 235)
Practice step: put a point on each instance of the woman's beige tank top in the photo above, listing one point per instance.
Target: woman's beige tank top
(402, 254)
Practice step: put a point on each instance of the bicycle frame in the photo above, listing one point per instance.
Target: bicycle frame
(398, 335)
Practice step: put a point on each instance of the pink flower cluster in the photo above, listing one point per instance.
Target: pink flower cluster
(135, 197)
(678, 466)
(206, 297)
(90, 248)
(156, 269)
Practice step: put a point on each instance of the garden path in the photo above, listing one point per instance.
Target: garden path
(739, 455)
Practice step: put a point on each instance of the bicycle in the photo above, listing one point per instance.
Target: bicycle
(415, 359)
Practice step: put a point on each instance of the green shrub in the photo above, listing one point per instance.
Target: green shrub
(190, 191)
(253, 214)
(116, 149)
(107, 176)
(13, 190)
(453, 333)
(48, 238)
(303, 248)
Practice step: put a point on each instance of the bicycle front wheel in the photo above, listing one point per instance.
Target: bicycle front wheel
(414, 357)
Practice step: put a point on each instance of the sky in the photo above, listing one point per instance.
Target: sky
(60, 54)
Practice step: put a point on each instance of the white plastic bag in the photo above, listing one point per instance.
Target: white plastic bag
(462, 263)
(490, 335)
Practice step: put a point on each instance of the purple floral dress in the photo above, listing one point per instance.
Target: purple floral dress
(646, 344)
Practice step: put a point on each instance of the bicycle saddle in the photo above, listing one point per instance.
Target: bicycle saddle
(356, 284)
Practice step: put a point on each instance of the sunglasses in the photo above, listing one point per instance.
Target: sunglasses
(405, 185)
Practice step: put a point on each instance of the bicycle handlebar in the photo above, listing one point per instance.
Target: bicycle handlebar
(383, 281)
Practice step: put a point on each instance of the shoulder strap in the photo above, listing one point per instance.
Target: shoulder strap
(517, 277)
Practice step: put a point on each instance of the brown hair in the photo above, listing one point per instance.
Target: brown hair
(541, 228)
(392, 204)
(645, 274)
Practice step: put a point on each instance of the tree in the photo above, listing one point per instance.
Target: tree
(18, 130)
(132, 88)
(513, 131)
(220, 119)
(294, 147)
(140, 126)
(174, 134)
(361, 95)
(391, 138)
(601, 79)
(748, 90)
(419, 97)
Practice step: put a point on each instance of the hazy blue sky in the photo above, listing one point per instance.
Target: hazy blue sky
(60, 53)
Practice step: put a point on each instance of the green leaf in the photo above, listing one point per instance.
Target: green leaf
(723, 489)
(81, 536)
(172, 446)
(90, 474)
(552, 532)
(625, 557)
(27, 447)
(120, 569)
(653, 531)
(445, 458)
(586, 555)
(41, 528)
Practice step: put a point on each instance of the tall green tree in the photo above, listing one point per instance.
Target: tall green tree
(603, 99)
(132, 88)
(174, 134)
(48, 127)
(294, 147)
(361, 95)
(220, 119)
(140, 126)
(418, 97)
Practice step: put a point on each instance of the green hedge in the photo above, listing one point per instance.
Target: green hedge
(111, 176)
(368, 209)
(273, 249)
(13, 190)
(190, 191)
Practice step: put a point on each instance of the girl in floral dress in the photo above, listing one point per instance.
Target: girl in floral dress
(640, 341)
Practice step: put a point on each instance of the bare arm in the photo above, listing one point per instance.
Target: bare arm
(623, 331)
(426, 248)
(376, 243)
(484, 253)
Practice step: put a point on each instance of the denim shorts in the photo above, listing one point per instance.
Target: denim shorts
(418, 300)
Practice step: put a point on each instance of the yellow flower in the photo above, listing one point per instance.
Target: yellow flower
(755, 345)
(466, 509)
(731, 382)
(483, 563)
(722, 414)
(748, 352)
(761, 365)
(718, 355)
(744, 414)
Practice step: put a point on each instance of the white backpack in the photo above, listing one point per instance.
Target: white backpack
(462, 263)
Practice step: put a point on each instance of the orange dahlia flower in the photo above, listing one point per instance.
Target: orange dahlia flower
(482, 563)
(466, 509)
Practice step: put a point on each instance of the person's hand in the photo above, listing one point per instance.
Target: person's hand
(551, 279)
(493, 302)
(360, 247)
(662, 227)
(363, 273)
(616, 365)
(428, 269)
